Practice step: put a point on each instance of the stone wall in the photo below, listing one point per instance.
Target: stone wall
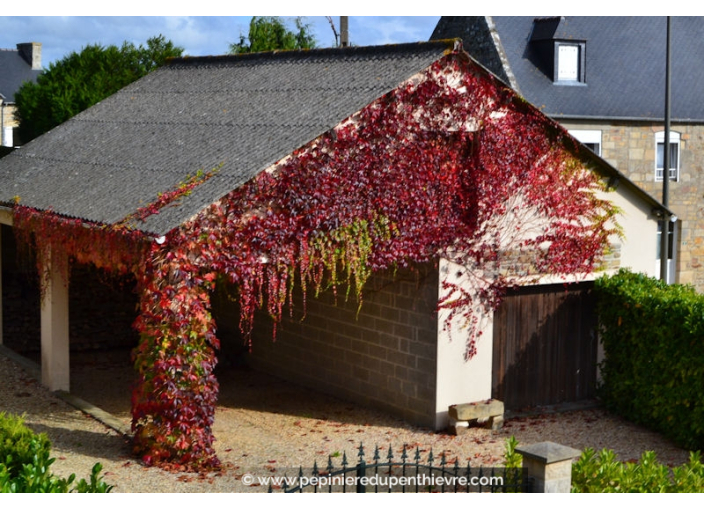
(383, 357)
(630, 147)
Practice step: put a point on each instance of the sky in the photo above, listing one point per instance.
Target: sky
(198, 35)
(208, 27)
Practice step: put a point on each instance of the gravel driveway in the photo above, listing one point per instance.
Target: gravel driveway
(266, 426)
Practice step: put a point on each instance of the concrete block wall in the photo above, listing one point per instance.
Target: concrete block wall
(630, 147)
(384, 357)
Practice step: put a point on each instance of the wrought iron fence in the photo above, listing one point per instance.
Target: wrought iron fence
(407, 474)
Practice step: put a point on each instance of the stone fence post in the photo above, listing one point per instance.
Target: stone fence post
(550, 465)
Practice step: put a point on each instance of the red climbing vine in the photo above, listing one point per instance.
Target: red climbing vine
(450, 164)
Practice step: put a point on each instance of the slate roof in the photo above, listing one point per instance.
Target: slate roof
(14, 71)
(625, 65)
(245, 112)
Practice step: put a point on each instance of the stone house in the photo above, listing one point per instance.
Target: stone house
(253, 112)
(16, 67)
(603, 78)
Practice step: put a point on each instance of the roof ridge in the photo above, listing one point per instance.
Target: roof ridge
(440, 45)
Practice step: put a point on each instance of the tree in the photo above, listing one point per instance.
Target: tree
(80, 80)
(268, 33)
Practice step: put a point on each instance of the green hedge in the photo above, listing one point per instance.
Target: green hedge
(653, 337)
(25, 463)
(602, 472)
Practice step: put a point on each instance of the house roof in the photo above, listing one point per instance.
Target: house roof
(243, 112)
(240, 113)
(624, 65)
(14, 71)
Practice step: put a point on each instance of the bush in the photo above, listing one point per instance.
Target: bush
(25, 461)
(603, 473)
(653, 371)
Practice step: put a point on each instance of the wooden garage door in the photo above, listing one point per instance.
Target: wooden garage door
(545, 346)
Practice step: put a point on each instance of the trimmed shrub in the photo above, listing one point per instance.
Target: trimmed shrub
(603, 473)
(25, 461)
(653, 371)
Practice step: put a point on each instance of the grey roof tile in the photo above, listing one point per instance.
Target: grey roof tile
(242, 112)
(625, 65)
(14, 71)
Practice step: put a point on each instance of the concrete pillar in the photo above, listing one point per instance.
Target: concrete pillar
(459, 381)
(550, 465)
(54, 324)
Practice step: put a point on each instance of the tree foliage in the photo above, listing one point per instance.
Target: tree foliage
(81, 80)
(268, 33)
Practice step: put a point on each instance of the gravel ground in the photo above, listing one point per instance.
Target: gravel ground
(267, 426)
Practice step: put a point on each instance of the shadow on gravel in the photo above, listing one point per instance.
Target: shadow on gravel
(105, 380)
(98, 445)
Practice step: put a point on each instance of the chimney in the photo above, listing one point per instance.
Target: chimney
(32, 53)
(344, 31)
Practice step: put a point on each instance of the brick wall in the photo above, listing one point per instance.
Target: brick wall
(630, 147)
(384, 358)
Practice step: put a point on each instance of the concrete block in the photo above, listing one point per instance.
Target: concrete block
(477, 410)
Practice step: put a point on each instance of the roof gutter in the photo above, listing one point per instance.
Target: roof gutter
(6, 218)
(628, 119)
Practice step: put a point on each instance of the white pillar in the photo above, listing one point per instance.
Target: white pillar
(54, 325)
(460, 381)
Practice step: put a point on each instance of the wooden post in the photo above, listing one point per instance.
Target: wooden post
(550, 465)
(54, 324)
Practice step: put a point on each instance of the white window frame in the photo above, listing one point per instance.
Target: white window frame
(588, 137)
(569, 61)
(674, 140)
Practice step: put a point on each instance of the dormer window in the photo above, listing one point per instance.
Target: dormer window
(558, 51)
(569, 62)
